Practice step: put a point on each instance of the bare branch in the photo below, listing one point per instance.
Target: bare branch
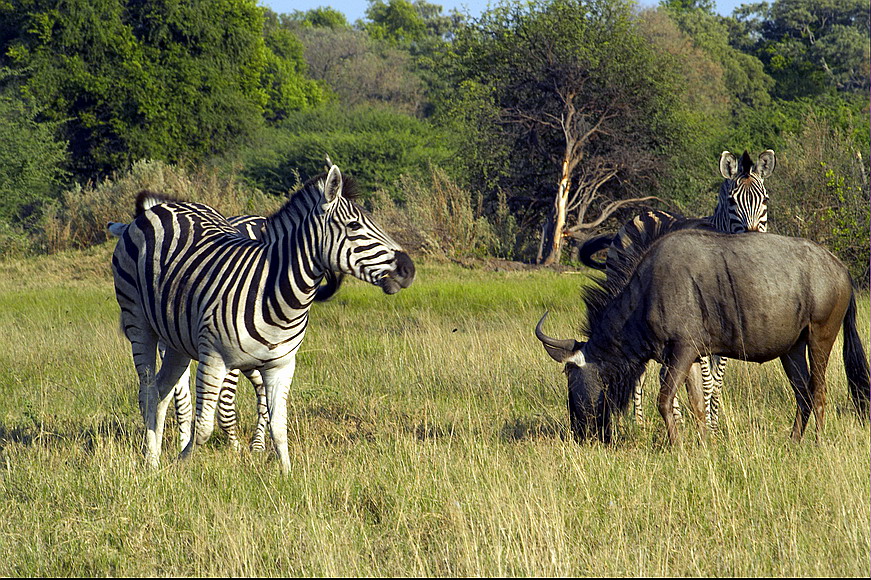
(605, 214)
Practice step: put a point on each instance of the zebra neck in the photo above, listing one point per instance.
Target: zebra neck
(293, 238)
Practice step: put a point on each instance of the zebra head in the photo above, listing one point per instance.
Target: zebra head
(355, 244)
(743, 202)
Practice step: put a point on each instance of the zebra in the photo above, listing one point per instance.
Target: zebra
(250, 226)
(742, 206)
(185, 276)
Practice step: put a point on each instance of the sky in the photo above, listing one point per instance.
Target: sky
(354, 9)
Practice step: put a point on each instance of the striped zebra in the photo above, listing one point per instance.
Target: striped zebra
(742, 206)
(185, 276)
(250, 226)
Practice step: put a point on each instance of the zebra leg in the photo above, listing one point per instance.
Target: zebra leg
(697, 399)
(227, 419)
(211, 372)
(712, 392)
(258, 442)
(182, 397)
(277, 385)
(174, 365)
(183, 408)
(639, 414)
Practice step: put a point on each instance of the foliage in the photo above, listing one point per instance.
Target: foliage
(31, 158)
(438, 219)
(157, 79)
(360, 70)
(809, 46)
(563, 81)
(822, 193)
(79, 218)
(373, 144)
(285, 73)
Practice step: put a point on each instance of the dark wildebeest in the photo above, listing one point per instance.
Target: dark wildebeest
(753, 297)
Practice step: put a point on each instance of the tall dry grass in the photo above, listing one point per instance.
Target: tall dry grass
(428, 437)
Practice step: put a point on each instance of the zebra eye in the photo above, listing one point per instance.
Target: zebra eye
(354, 226)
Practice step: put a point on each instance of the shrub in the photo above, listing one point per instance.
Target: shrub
(437, 219)
(78, 219)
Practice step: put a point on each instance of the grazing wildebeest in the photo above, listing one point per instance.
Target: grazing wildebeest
(753, 297)
(742, 206)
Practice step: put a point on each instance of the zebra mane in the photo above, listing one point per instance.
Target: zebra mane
(745, 165)
(147, 199)
(598, 296)
(301, 202)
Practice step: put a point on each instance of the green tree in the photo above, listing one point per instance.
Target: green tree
(154, 79)
(809, 46)
(31, 157)
(575, 99)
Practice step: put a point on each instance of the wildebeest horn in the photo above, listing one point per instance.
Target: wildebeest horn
(564, 344)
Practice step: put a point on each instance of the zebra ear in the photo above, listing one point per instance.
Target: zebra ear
(728, 165)
(333, 185)
(766, 163)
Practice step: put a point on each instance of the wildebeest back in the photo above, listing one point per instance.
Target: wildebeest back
(746, 296)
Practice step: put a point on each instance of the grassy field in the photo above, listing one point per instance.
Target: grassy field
(427, 437)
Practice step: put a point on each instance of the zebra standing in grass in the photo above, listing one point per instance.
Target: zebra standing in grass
(186, 277)
(742, 206)
(250, 226)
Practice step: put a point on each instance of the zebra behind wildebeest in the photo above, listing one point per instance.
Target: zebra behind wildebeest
(742, 206)
(750, 296)
(250, 226)
(185, 277)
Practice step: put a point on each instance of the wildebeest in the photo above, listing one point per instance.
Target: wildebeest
(754, 297)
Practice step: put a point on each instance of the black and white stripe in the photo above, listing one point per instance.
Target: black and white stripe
(185, 277)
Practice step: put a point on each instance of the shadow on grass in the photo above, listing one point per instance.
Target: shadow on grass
(60, 434)
(533, 428)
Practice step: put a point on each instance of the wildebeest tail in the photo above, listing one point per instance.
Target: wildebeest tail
(856, 363)
(592, 246)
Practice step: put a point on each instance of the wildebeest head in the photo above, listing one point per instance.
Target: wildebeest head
(589, 412)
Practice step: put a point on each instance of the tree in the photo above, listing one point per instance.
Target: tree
(574, 97)
(809, 46)
(155, 79)
(31, 157)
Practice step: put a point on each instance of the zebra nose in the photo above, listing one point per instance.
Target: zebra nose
(404, 269)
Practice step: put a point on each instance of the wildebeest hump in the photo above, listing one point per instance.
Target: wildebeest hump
(745, 296)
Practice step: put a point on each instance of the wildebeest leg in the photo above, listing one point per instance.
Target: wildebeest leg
(674, 372)
(697, 398)
(820, 345)
(795, 365)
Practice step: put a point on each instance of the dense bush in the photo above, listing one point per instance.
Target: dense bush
(30, 157)
(373, 144)
(821, 193)
(80, 216)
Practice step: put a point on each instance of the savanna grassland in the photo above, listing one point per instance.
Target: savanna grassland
(427, 437)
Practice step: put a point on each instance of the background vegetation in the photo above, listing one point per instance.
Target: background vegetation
(428, 429)
(428, 437)
(638, 103)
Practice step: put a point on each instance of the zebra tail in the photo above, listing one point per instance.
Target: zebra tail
(592, 246)
(117, 229)
(856, 363)
(328, 290)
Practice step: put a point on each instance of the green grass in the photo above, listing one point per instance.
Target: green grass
(427, 437)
